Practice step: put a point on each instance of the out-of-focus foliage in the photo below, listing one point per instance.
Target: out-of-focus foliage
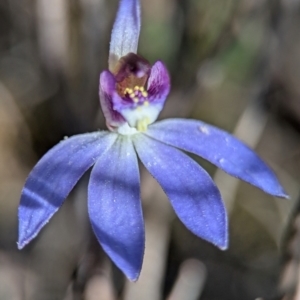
(233, 63)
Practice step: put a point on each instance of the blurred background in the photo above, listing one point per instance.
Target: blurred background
(234, 64)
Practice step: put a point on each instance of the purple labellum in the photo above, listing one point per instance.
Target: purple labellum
(133, 95)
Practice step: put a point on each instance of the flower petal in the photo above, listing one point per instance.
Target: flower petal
(193, 195)
(126, 31)
(115, 208)
(53, 177)
(220, 148)
(106, 93)
(158, 84)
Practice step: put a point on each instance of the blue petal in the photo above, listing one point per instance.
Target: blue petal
(53, 177)
(115, 208)
(220, 148)
(193, 195)
(126, 31)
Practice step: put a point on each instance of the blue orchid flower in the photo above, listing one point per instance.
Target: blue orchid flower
(132, 94)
